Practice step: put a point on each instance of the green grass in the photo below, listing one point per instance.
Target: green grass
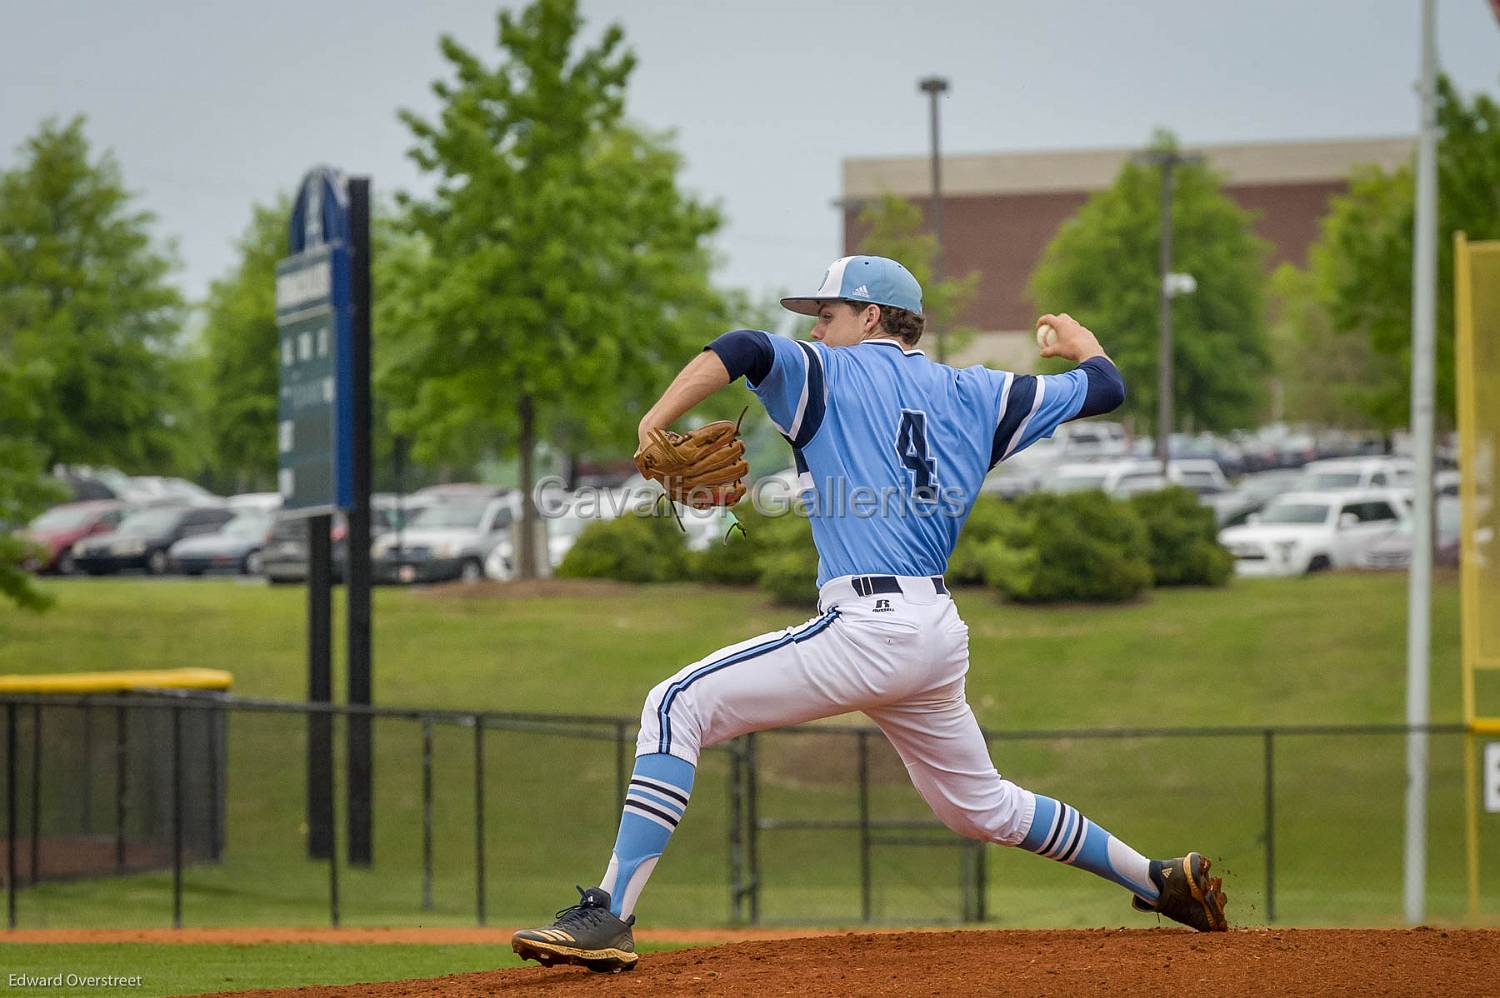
(200, 967)
(1329, 649)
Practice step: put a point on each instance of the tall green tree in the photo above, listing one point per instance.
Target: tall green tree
(1323, 375)
(25, 489)
(237, 363)
(567, 274)
(86, 304)
(1101, 267)
(239, 345)
(894, 228)
(1362, 261)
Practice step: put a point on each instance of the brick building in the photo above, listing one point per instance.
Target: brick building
(1001, 209)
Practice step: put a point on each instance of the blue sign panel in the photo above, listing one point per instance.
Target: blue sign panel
(314, 319)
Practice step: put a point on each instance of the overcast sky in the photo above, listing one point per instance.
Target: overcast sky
(211, 106)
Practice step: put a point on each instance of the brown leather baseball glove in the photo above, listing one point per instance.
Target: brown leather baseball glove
(703, 468)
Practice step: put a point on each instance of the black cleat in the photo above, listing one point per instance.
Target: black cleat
(1188, 894)
(587, 934)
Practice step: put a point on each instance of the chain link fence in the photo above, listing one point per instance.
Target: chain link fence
(193, 809)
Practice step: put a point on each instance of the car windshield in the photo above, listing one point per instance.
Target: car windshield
(1295, 512)
(1263, 487)
(449, 514)
(150, 521)
(1321, 480)
(248, 524)
(63, 518)
(1078, 482)
(395, 517)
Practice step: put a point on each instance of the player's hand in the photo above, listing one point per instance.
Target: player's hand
(1074, 341)
(643, 433)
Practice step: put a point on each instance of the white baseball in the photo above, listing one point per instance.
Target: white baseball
(1046, 336)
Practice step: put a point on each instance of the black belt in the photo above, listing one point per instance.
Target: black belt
(869, 585)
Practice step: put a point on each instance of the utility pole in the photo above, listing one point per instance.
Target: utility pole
(933, 87)
(1169, 286)
(1164, 319)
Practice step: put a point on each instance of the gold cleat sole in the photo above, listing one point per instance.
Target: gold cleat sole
(1207, 891)
(600, 961)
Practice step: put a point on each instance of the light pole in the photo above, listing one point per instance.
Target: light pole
(1169, 286)
(933, 87)
(1419, 576)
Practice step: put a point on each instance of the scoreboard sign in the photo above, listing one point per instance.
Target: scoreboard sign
(314, 319)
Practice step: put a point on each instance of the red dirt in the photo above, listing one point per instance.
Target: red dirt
(1014, 962)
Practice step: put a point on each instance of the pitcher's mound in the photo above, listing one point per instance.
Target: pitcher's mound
(1018, 962)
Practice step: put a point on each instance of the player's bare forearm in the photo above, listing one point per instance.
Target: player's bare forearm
(703, 375)
(1074, 340)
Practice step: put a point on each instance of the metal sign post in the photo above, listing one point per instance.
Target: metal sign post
(360, 755)
(323, 448)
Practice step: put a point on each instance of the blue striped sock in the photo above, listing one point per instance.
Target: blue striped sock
(654, 802)
(1060, 832)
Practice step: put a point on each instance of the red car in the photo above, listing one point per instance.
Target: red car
(58, 529)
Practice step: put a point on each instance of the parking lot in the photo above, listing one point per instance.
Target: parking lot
(1286, 502)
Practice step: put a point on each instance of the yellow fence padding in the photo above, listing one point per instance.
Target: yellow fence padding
(119, 682)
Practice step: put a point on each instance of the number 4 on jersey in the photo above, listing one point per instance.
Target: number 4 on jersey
(911, 449)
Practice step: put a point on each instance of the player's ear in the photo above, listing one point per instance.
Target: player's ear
(871, 318)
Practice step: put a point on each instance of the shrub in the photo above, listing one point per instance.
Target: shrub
(729, 562)
(790, 574)
(786, 562)
(775, 552)
(1078, 546)
(630, 548)
(991, 519)
(1185, 550)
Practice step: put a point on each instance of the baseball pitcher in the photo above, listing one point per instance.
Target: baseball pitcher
(890, 449)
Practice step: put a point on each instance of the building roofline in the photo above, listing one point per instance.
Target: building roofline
(1062, 170)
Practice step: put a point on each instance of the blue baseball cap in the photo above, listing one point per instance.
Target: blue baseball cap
(873, 279)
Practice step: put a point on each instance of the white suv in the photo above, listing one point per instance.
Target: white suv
(1356, 473)
(1129, 476)
(1303, 532)
(1117, 478)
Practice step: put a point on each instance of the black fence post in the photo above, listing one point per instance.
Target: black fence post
(36, 793)
(1270, 832)
(176, 817)
(620, 773)
(752, 827)
(736, 831)
(330, 797)
(88, 768)
(212, 726)
(426, 814)
(122, 752)
(10, 813)
(479, 817)
(865, 907)
(981, 881)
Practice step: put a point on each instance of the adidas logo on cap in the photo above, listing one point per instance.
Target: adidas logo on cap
(862, 291)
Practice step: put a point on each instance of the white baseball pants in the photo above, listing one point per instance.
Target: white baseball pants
(900, 657)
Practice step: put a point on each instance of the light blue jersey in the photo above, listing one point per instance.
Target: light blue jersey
(891, 448)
